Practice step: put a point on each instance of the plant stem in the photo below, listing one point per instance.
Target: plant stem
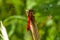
(33, 26)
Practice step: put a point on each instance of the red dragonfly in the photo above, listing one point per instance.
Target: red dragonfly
(29, 14)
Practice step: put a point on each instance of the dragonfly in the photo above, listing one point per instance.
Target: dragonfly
(29, 15)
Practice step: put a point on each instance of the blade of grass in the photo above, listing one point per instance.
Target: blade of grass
(3, 31)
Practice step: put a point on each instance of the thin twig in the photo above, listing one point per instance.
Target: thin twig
(33, 26)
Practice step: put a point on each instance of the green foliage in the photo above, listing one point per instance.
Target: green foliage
(12, 13)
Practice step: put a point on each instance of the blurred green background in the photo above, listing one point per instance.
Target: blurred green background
(46, 12)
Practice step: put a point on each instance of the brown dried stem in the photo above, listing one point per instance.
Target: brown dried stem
(33, 26)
